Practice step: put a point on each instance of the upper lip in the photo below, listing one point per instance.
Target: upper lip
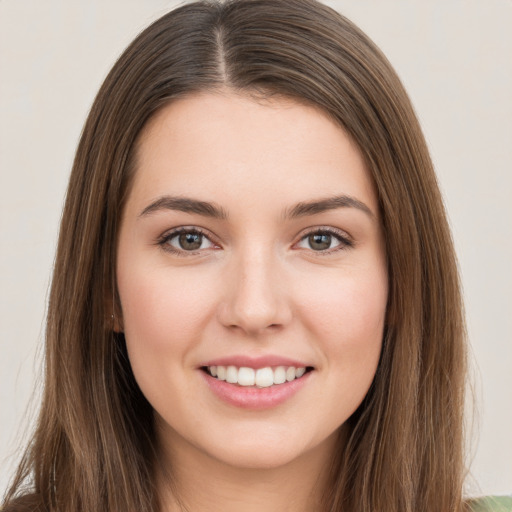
(255, 362)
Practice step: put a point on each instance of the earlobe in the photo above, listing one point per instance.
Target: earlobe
(113, 314)
(117, 315)
(117, 323)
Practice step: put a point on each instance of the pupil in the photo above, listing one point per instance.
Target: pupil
(319, 241)
(190, 241)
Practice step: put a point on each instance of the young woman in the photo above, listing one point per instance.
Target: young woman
(255, 303)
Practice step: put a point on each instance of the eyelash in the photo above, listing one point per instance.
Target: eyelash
(345, 242)
(164, 240)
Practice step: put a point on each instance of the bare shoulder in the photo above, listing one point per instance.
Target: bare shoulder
(491, 504)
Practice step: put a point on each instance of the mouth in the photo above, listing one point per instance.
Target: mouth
(256, 377)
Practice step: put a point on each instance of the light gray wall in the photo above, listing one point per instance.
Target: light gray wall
(455, 58)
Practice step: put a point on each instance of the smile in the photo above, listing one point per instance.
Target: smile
(259, 378)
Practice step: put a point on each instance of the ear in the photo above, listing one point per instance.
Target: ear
(113, 312)
(117, 322)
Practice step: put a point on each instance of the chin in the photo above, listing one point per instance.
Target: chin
(270, 450)
(255, 458)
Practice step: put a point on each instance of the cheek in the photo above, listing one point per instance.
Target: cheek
(347, 315)
(163, 317)
(164, 310)
(344, 312)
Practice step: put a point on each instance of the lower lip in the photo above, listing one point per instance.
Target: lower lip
(255, 398)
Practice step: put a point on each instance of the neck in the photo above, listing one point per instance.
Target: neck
(201, 483)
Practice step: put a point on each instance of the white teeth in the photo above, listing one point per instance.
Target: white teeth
(299, 372)
(231, 375)
(221, 372)
(246, 377)
(280, 375)
(262, 377)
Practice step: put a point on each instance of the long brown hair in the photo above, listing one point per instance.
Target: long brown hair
(94, 447)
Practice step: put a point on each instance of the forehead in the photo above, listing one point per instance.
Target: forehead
(234, 145)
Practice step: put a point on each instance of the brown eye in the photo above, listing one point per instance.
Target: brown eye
(186, 240)
(190, 241)
(320, 241)
(325, 241)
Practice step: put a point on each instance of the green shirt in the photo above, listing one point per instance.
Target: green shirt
(492, 504)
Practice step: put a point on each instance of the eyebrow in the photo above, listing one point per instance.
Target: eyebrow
(207, 209)
(187, 205)
(314, 207)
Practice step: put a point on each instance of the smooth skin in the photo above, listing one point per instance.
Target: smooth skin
(264, 277)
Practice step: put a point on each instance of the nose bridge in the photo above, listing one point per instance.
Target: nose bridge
(255, 298)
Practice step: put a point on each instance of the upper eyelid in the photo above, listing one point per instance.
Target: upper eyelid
(163, 241)
(345, 239)
(325, 229)
(169, 233)
(337, 232)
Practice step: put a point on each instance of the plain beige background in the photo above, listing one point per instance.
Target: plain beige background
(455, 58)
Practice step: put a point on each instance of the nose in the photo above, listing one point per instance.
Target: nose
(255, 296)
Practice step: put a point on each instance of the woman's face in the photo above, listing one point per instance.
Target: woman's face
(250, 248)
